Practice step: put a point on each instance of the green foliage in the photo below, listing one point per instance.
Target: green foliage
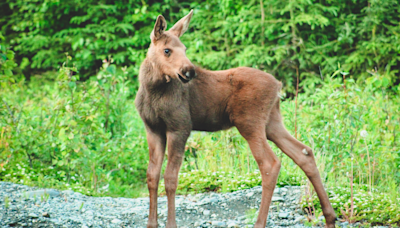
(7, 64)
(289, 38)
(251, 216)
(78, 128)
(196, 181)
(87, 136)
(332, 121)
(374, 207)
(80, 133)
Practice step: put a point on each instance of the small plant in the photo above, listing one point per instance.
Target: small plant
(309, 208)
(80, 208)
(44, 197)
(6, 202)
(277, 206)
(251, 216)
(25, 195)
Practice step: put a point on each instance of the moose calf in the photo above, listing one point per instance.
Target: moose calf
(176, 97)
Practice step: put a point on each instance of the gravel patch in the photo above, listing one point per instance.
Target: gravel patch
(23, 206)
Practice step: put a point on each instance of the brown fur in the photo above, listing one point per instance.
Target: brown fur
(176, 97)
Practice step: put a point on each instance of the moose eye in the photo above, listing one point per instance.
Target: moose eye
(167, 51)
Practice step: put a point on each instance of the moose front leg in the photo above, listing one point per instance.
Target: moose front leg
(176, 147)
(156, 142)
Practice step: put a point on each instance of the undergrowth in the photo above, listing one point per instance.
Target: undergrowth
(379, 206)
(57, 131)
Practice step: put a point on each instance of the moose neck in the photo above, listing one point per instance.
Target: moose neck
(155, 82)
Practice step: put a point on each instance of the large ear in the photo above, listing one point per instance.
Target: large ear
(159, 28)
(182, 25)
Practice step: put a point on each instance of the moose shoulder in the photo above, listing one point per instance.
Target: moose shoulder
(176, 97)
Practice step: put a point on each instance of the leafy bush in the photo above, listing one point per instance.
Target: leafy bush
(290, 38)
(83, 133)
(7, 64)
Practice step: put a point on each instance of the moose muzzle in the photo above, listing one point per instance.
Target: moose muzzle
(187, 74)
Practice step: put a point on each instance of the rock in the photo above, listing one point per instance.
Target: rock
(33, 215)
(257, 189)
(77, 210)
(283, 215)
(298, 226)
(68, 192)
(214, 200)
(218, 224)
(40, 193)
(277, 198)
(116, 221)
(299, 219)
(250, 194)
(233, 224)
(345, 224)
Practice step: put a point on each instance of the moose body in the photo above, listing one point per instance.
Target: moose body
(212, 101)
(175, 97)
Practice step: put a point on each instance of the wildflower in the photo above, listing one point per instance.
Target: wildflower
(364, 133)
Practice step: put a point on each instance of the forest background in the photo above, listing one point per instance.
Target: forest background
(68, 78)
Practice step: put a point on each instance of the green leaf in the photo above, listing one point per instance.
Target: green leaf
(8, 72)
(3, 56)
(72, 85)
(61, 134)
(72, 123)
(112, 69)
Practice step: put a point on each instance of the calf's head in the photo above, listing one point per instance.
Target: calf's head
(168, 53)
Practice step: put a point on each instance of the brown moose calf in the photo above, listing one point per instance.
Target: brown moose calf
(176, 97)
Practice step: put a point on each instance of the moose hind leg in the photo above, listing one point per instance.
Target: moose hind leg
(303, 156)
(268, 164)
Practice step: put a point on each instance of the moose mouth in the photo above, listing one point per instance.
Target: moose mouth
(183, 79)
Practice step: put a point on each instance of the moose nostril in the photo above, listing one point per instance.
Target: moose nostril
(189, 72)
(192, 73)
